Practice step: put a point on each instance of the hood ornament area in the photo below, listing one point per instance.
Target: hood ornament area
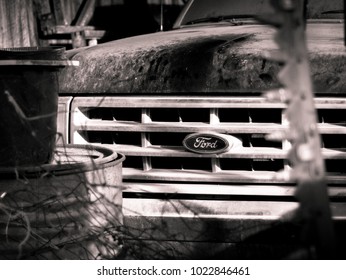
(210, 143)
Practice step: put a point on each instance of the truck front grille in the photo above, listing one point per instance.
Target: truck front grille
(150, 131)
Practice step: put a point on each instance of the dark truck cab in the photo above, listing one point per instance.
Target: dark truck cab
(144, 96)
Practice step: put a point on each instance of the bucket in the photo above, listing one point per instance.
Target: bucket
(29, 100)
(68, 209)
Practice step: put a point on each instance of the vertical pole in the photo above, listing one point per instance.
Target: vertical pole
(344, 22)
(161, 15)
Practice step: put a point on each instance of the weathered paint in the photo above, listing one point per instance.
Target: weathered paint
(201, 59)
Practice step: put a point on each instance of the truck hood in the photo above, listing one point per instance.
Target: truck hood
(207, 58)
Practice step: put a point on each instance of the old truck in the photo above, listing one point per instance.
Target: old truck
(165, 99)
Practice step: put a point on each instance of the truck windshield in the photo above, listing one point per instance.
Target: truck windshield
(202, 11)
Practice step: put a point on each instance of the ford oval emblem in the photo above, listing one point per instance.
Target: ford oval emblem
(210, 143)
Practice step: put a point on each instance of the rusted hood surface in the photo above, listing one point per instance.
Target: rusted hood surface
(203, 59)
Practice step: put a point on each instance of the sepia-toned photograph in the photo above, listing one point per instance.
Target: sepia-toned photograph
(173, 130)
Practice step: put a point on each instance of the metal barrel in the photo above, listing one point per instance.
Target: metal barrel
(69, 209)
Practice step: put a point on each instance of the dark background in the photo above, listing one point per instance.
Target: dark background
(24, 23)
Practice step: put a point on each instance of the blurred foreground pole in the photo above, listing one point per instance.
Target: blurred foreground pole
(305, 156)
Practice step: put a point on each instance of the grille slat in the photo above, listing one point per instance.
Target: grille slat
(145, 139)
(177, 175)
(188, 127)
(223, 189)
(176, 151)
(232, 176)
(198, 102)
(98, 125)
(214, 120)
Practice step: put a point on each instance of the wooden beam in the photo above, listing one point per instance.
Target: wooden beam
(59, 12)
(18, 27)
(86, 13)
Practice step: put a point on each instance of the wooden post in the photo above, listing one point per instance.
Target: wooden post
(18, 24)
(344, 22)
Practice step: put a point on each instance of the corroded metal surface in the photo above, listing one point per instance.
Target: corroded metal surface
(209, 58)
